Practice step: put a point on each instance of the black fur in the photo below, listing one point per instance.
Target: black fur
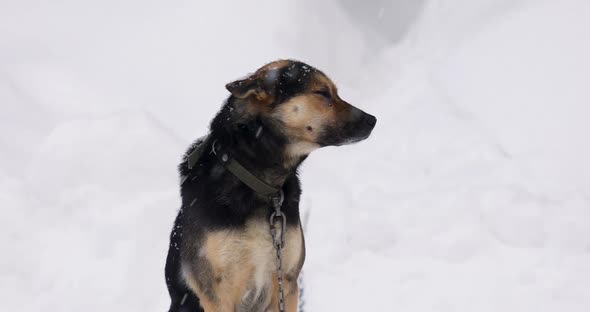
(183, 299)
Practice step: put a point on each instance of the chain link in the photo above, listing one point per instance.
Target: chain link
(279, 242)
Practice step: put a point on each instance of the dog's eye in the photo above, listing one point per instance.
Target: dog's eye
(325, 93)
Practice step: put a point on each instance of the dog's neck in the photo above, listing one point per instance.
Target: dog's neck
(258, 146)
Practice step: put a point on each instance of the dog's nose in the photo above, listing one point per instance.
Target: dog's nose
(371, 120)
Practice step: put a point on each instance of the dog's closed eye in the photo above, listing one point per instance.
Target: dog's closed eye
(325, 93)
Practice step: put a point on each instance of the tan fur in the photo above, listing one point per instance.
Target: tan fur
(244, 261)
(292, 297)
(298, 149)
(301, 112)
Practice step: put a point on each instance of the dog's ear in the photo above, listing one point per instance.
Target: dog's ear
(244, 88)
(259, 86)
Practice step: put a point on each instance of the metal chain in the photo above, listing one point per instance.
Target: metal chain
(279, 242)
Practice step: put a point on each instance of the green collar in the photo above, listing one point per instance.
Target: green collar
(252, 181)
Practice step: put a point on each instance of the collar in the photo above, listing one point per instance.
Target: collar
(247, 177)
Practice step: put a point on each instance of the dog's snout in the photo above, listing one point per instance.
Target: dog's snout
(371, 120)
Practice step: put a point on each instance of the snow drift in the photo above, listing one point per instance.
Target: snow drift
(473, 193)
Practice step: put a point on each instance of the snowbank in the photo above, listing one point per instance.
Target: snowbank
(472, 193)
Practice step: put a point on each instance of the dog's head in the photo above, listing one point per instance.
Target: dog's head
(302, 103)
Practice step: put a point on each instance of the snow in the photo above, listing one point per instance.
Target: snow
(472, 194)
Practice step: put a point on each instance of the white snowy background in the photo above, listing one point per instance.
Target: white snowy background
(473, 193)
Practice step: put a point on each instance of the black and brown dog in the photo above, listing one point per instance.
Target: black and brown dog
(221, 256)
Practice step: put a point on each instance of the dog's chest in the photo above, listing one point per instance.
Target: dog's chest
(247, 259)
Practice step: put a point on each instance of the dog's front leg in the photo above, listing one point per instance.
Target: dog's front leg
(292, 297)
(291, 291)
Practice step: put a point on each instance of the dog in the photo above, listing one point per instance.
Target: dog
(223, 246)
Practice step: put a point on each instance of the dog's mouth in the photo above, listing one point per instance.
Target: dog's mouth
(351, 133)
(352, 140)
(356, 140)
